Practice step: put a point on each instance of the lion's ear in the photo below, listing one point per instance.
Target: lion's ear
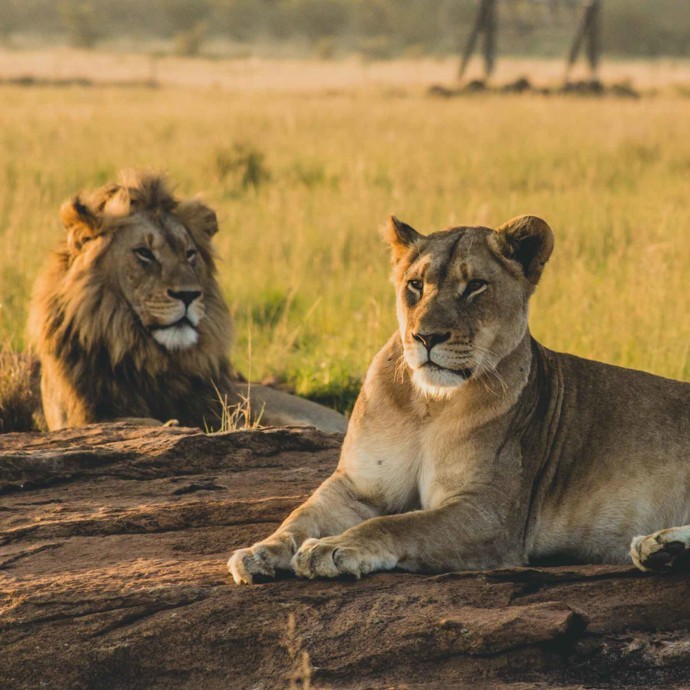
(400, 236)
(80, 222)
(116, 201)
(199, 219)
(527, 240)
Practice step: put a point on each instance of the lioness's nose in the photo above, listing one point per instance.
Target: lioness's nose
(186, 296)
(431, 339)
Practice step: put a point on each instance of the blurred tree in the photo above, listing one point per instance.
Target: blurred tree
(589, 33)
(390, 27)
(188, 43)
(242, 20)
(322, 18)
(485, 25)
(189, 22)
(374, 17)
(635, 27)
(8, 20)
(80, 20)
(183, 14)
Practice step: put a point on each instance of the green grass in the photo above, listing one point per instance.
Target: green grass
(301, 260)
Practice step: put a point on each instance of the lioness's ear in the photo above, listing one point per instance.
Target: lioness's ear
(80, 222)
(400, 236)
(198, 218)
(527, 240)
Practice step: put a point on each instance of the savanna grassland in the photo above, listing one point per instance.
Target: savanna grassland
(302, 181)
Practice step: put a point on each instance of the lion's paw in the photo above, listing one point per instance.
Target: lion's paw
(258, 562)
(334, 556)
(663, 551)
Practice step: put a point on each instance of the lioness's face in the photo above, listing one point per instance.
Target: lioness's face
(158, 268)
(462, 299)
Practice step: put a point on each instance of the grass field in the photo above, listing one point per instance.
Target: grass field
(302, 181)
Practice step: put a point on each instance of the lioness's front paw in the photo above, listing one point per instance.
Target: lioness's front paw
(259, 560)
(334, 556)
(668, 549)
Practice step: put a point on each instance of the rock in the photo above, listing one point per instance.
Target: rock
(491, 631)
(113, 543)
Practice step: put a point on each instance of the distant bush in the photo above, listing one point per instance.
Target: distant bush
(323, 18)
(243, 165)
(325, 48)
(80, 20)
(376, 48)
(188, 43)
(189, 24)
(646, 29)
(182, 15)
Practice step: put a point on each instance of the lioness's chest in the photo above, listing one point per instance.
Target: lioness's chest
(409, 469)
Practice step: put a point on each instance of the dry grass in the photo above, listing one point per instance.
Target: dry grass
(301, 669)
(240, 416)
(301, 260)
(19, 392)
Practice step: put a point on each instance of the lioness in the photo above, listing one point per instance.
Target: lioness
(472, 446)
(128, 319)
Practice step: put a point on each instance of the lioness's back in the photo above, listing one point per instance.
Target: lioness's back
(613, 468)
(605, 395)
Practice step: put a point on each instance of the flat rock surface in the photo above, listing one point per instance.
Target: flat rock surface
(113, 543)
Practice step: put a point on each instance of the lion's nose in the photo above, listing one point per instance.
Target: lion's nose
(186, 296)
(429, 340)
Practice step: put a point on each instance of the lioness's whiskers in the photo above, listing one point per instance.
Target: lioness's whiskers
(489, 368)
(400, 369)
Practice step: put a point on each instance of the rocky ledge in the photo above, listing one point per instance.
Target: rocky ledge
(113, 542)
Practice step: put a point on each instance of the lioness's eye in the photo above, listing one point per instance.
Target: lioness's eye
(191, 255)
(474, 286)
(415, 285)
(144, 254)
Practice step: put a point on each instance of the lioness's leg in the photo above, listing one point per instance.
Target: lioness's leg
(453, 537)
(662, 551)
(334, 507)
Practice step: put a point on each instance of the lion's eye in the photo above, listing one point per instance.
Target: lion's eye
(474, 287)
(144, 254)
(415, 285)
(191, 255)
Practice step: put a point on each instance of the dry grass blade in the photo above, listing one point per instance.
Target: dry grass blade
(238, 416)
(301, 670)
(20, 400)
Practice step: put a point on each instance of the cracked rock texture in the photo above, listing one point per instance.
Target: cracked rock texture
(113, 542)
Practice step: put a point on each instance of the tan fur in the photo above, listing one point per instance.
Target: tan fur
(128, 319)
(471, 446)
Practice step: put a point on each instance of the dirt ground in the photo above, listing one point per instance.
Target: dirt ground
(255, 74)
(113, 542)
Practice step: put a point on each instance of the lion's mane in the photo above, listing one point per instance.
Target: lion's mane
(98, 360)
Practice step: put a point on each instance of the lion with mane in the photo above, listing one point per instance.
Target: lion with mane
(128, 319)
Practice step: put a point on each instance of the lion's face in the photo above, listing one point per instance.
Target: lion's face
(159, 272)
(135, 249)
(462, 297)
